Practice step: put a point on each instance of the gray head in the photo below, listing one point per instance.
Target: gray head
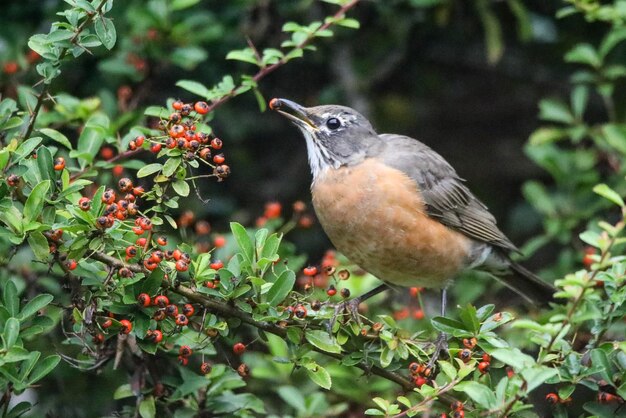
(335, 135)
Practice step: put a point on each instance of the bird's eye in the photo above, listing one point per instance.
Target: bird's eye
(333, 123)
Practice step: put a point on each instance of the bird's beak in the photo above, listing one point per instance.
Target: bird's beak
(293, 111)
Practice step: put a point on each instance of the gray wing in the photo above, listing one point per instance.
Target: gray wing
(446, 197)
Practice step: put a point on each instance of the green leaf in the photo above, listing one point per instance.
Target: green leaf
(615, 135)
(105, 30)
(44, 163)
(181, 187)
(147, 408)
(43, 367)
(35, 304)
(170, 166)
(349, 23)
(448, 325)
(39, 244)
(245, 55)
(584, 54)
(479, 393)
(609, 194)
(469, 318)
(195, 88)
(56, 136)
(182, 4)
(35, 201)
(513, 357)
(281, 287)
(243, 241)
(599, 359)
(11, 332)
(123, 391)
(319, 375)
(10, 298)
(555, 111)
(91, 139)
(26, 147)
(149, 169)
(323, 340)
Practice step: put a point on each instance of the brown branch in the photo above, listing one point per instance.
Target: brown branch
(232, 312)
(264, 71)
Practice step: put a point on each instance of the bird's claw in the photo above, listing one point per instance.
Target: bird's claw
(441, 344)
(349, 307)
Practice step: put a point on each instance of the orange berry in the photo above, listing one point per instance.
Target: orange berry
(219, 241)
(272, 210)
(201, 108)
(239, 348)
(59, 163)
(127, 326)
(310, 271)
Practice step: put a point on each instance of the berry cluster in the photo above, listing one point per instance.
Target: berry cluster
(466, 354)
(457, 410)
(181, 132)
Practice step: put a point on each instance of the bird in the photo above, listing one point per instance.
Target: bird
(397, 209)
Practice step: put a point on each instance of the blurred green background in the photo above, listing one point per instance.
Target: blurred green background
(463, 77)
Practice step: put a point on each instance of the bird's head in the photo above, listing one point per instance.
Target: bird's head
(335, 135)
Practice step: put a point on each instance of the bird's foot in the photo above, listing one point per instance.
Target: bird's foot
(441, 344)
(349, 309)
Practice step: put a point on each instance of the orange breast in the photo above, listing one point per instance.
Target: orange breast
(374, 215)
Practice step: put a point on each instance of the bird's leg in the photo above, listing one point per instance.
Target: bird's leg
(441, 343)
(352, 306)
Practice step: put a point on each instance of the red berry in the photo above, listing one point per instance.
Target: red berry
(141, 242)
(272, 210)
(300, 312)
(98, 338)
(156, 147)
(108, 196)
(486, 357)
(552, 398)
(176, 131)
(138, 230)
(155, 335)
(177, 105)
(310, 271)
(219, 159)
(465, 355)
(131, 251)
(107, 153)
(219, 241)
(107, 323)
(216, 143)
(206, 367)
(483, 366)
(59, 163)
(181, 266)
(217, 264)
(71, 264)
(150, 264)
(143, 299)
(185, 351)
(420, 381)
(239, 348)
(162, 240)
(161, 301)
(139, 140)
(331, 291)
(171, 310)
(243, 370)
(183, 360)
(418, 314)
(201, 107)
(188, 310)
(84, 203)
(127, 326)
(181, 320)
(470, 343)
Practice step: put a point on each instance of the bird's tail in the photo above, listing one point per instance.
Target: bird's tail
(528, 285)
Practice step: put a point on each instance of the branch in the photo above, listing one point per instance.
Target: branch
(232, 312)
(263, 72)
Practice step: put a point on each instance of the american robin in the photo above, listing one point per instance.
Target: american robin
(398, 209)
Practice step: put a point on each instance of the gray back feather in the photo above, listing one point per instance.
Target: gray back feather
(446, 198)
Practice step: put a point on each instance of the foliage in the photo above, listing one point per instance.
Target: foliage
(103, 268)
